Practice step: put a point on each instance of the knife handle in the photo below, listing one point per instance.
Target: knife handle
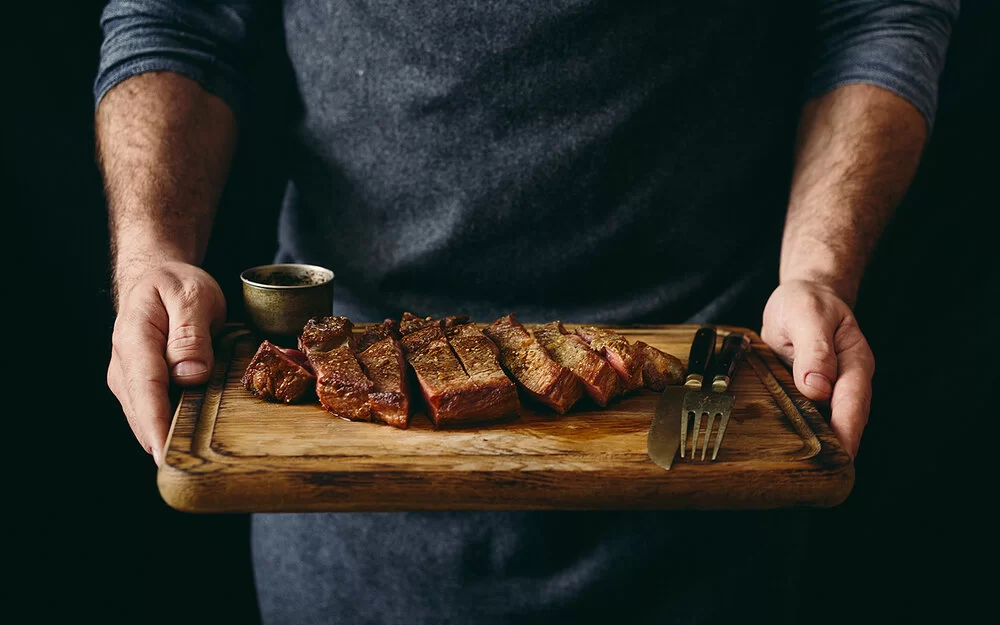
(702, 349)
(734, 347)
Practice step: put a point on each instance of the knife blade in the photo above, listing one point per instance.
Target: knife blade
(664, 437)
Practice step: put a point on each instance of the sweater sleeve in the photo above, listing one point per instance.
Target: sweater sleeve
(898, 45)
(209, 42)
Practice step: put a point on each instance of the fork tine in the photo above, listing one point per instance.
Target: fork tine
(697, 429)
(684, 428)
(722, 432)
(712, 414)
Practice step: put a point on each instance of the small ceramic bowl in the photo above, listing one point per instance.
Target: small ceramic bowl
(279, 299)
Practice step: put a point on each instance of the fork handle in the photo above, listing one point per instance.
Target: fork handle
(702, 349)
(734, 347)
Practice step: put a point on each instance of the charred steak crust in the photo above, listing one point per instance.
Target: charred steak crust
(277, 374)
(384, 364)
(537, 374)
(326, 333)
(600, 381)
(454, 320)
(659, 369)
(618, 352)
(456, 393)
(462, 371)
(410, 323)
(341, 384)
(480, 359)
(358, 378)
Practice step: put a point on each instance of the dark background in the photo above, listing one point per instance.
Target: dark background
(96, 539)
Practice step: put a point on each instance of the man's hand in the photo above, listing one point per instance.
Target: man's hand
(164, 147)
(812, 329)
(166, 319)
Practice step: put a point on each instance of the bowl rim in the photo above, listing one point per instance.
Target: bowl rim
(287, 287)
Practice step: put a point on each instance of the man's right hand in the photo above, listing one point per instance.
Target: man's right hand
(167, 316)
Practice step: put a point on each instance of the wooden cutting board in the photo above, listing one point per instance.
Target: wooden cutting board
(228, 451)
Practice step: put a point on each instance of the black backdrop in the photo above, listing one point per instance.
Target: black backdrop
(95, 538)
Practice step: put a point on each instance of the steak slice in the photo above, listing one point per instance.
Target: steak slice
(454, 397)
(387, 329)
(599, 379)
(385, 366)
(524, 358)
(410, 323)
(341, 384)
(454, 320)
(326, 333)
(658, 368)
(496, 395)
(277, 374)
(616, 350)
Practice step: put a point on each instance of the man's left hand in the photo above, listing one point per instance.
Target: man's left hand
(812, 329)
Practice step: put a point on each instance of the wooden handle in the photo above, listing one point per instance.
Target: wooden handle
(702, 349)
(734, 347)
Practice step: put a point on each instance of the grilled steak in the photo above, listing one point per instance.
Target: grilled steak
(384, 365)
(599, 379)
(524, 358)
(616, 350)
(277, 374)
(411, 323)
(453, 394)
(454, 320)
(658, 369)
(326, 333)
(361, 379)
(478, 356)
(341, 384)
(374, 334)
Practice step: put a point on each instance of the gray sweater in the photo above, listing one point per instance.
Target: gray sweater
(561, 159)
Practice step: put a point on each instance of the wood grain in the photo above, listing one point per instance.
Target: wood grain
(228, 451)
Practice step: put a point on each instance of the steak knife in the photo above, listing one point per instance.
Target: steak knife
(664, 436)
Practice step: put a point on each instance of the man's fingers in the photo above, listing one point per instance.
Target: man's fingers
(195, 311)
(139, 341)
(814, 362)
(115, 378)
(852, 393)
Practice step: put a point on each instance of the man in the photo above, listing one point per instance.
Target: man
(590, 161)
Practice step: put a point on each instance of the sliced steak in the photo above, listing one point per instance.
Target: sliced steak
(599, 379)
(439, 372)
(277, 374)
(454, 397)
(454, 320)
(658, 368)
(410, 323)
(616, 350)
(341, 384)
(387, 329)
(326, 333)
(524, 358)
(385, 366)
(496, 395)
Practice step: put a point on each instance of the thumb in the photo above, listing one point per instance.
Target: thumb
(195, 312)
(814, 360)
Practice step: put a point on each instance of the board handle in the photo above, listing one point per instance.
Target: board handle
(702, 349)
